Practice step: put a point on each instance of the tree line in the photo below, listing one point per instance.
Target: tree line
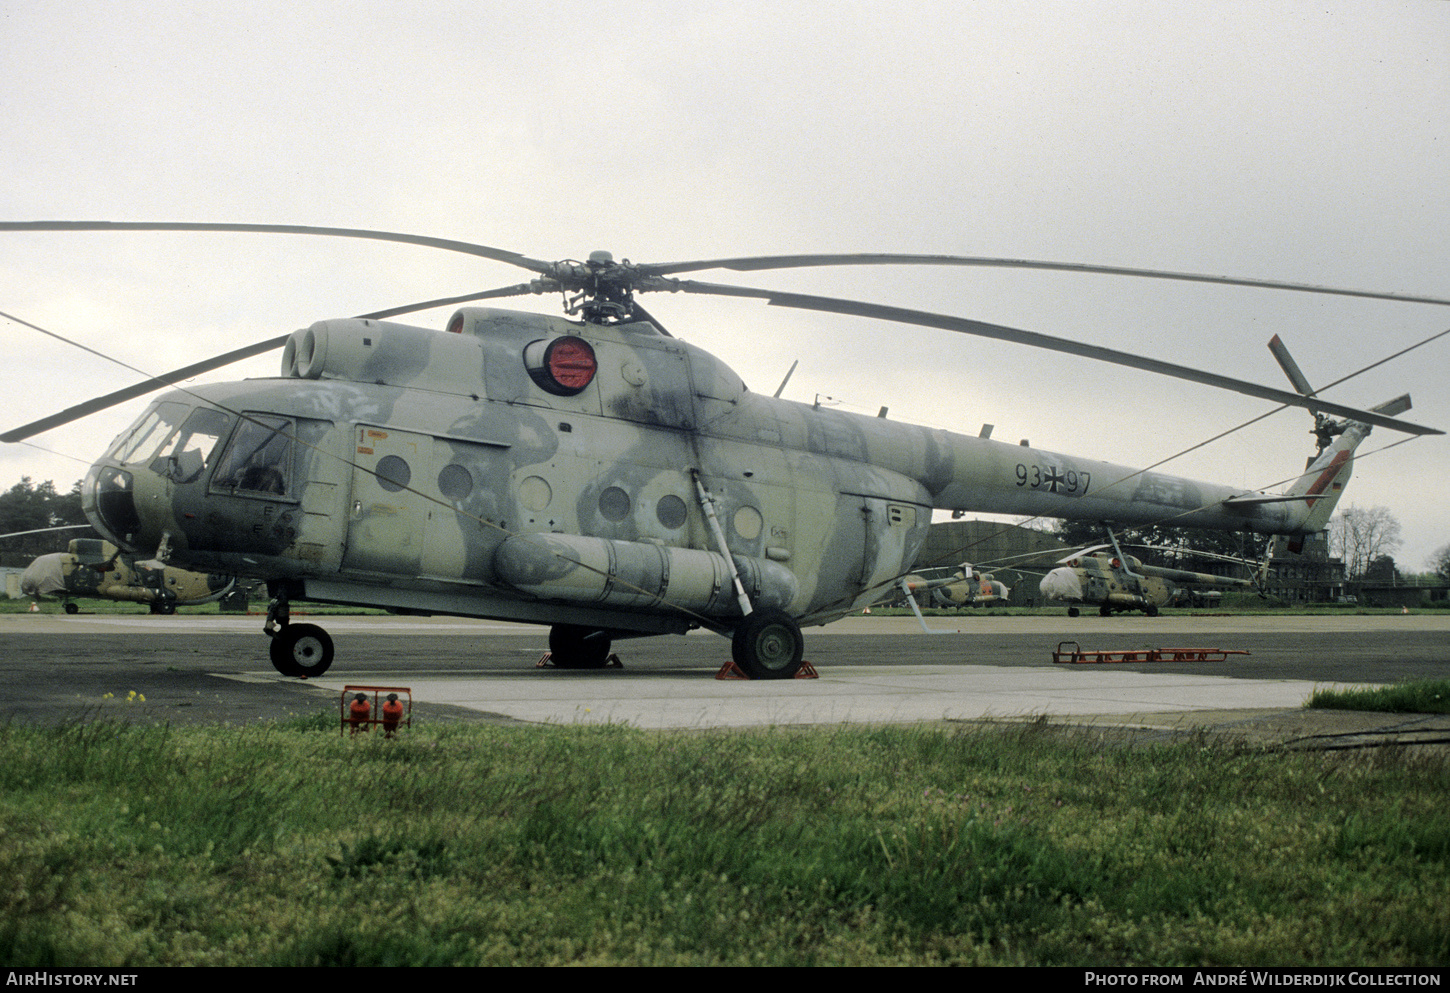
(28, 506)
(1363, 538)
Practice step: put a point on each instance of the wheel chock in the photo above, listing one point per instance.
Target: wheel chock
(732, 671)
(547, 659)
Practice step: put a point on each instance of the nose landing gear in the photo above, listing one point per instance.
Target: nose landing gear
(302, 650)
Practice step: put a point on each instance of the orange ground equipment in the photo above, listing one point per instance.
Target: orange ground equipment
(732, 671)
(1078, 656)
(361, 707)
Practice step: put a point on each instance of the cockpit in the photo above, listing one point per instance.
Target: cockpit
(187, 446)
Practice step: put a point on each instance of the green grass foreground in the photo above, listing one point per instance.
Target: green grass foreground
(1422, 696)
(128, 845)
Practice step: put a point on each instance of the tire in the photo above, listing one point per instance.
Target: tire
(1105, 611)
(301, 650)
(574, 647)
(1073, 612)
(768, 645)
(71, 608)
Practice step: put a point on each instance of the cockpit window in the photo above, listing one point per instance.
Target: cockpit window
(259, 457)
(145, 437)
(183, 457)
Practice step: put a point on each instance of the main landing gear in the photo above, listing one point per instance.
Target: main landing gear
(303, 650)
(575, 647)
(768, 645)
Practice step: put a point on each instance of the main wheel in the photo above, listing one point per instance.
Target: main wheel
(574, 647)
(301, 650)
(768, 645)
(71, 608)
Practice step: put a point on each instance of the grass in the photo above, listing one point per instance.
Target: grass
(1425, 696)
(287, 844)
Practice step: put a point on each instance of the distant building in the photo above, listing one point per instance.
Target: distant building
(1310, 576)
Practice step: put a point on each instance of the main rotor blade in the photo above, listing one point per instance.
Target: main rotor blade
(506, 291)
(497, 254)
(140, 389)
(216, 362)
(762, 262)
(899, 315)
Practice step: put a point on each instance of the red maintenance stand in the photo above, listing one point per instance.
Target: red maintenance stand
(358, 711)
(1078, 656)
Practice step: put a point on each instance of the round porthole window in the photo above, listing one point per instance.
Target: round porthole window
(671, 511)
(614, 504)
(454, 482)
(393, 473)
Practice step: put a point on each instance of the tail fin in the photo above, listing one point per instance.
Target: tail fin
(1324, 481)
(1314, 495)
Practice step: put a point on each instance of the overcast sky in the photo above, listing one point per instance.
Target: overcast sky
(1286, 141)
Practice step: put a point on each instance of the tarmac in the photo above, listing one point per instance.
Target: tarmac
(871, 670)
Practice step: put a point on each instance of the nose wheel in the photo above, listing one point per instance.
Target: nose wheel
(301, 650)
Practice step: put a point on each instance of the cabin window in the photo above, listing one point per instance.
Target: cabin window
(614, 504)
(259, 458)
(671, 511)
(455, 482)
(394, 474)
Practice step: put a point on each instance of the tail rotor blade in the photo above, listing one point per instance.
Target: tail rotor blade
(1290, 367)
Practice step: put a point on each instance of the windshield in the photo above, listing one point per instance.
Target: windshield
(146, 435)
(184, 455)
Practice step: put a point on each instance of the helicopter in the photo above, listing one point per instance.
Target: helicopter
(959, 586)
(595, 473)
(1116, 582)
(96, 569)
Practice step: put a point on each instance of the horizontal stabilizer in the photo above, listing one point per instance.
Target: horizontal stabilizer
(1254, 499)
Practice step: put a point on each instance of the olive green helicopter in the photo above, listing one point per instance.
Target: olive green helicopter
(596, 474)
(1105, 577)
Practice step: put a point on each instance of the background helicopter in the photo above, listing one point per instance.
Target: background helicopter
(97, 569)
(958, 586)
(1115, 582)
(600, 475)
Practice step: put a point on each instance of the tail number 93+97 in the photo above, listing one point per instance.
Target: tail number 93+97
(1053, 479)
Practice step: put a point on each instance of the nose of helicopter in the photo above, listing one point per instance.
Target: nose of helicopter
(108, 499)
(1061, 584)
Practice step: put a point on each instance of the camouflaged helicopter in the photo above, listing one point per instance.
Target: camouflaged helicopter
(94, 569)
(598, 474)
(1116, 582)
(957, 586)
